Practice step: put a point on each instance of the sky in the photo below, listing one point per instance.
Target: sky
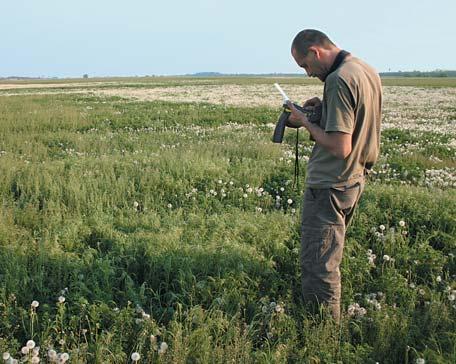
(69, 38)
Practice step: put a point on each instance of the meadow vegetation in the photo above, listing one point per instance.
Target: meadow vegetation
(151, 231)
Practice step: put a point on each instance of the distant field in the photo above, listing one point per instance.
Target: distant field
(154, 215)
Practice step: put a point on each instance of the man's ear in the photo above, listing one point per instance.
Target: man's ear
(316, 51)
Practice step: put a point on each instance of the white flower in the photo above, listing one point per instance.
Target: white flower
(35, 360)
(36, 351)
(244, 195)
(412, 285)
(35, 304)
(249, 190)
(52, 354)
(438, 279)
(170, 206)
(163, 348)
(135, 356)
(220, 181)
(420, 361)
(282, 189)
(452, 297)
(135, 204)
(64, 357)
(382, 227)
(61, 299)
(259, 209)
(153, 339)
(293, 211)
(386, 258)
(231, 183)
(25, 350)
(6, 356)
(289, 201)
(421, 291)
(402, 223)
(30, 344)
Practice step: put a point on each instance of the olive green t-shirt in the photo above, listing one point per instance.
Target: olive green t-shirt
(352, 103)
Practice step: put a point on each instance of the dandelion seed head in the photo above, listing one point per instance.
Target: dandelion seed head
(402, 223)
(61, 299)
(135, 356)
(6, 356)
(35, 304)
(382, 227)
(25, 350)
(30, 344)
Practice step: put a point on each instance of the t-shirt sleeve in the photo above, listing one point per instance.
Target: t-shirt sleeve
(340, 105)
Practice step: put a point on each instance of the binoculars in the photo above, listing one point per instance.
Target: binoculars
(313, 115)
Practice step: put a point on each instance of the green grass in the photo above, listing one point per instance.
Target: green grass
(145, 208)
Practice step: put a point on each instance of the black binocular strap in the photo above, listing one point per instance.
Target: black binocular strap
(296, 171)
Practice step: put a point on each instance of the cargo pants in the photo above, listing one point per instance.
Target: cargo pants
(326, 214)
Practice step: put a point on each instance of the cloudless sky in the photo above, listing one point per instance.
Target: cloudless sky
(67, 38)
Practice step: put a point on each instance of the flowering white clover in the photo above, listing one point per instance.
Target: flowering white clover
(289, 201)
(35, 304)
(421, 291)
(402, 223)
(355, 310)
(245, 195)
(282, 189)
(135, 356)
(170, 206)
(249, 190)
(382, 227)
(61, 299)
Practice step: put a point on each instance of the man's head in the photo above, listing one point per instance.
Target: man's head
(314, 51)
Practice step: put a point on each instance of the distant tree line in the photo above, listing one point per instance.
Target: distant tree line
(436, 73)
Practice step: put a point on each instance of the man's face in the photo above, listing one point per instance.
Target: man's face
(310, 63)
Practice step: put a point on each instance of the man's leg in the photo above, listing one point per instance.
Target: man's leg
(324, 216)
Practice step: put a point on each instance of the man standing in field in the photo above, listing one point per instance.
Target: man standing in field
(347, 141)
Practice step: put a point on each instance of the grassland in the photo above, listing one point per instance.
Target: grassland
(142, 217)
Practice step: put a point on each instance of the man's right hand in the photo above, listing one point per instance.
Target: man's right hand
(313, 102)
